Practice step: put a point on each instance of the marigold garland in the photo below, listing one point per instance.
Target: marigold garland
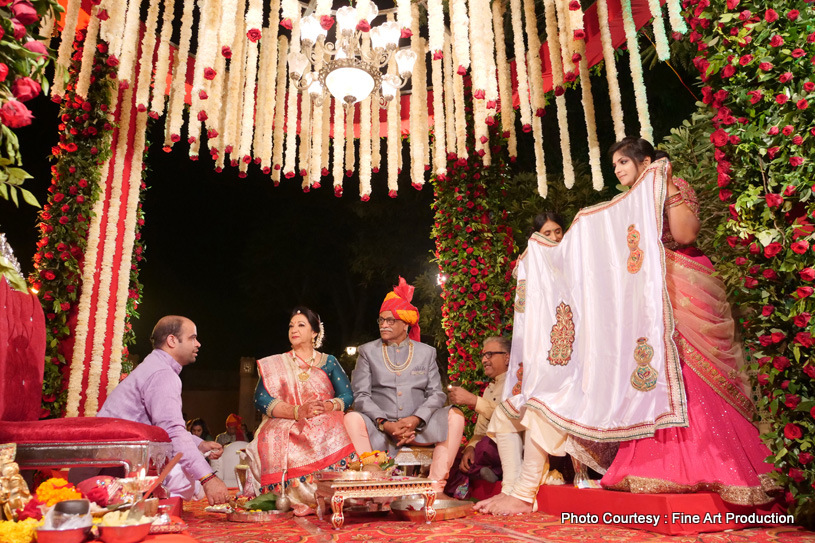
(280, 104)
(658, 25)
(18, 532)
(460, 30)
(148, 46)
(504, 79)
(175, 118)
(515, 13)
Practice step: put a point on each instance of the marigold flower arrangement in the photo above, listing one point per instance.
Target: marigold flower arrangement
(56, 490)
(18, 532)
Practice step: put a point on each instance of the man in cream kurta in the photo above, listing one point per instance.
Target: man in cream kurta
(480, 457)
(398, 396)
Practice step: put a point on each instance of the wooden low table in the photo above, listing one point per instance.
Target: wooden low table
(338, 490)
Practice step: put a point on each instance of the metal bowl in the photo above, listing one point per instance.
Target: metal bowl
(73, 507)
(74, 535)
(413, 509)
(124, 534)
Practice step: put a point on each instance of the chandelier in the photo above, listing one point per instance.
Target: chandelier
(349, 69)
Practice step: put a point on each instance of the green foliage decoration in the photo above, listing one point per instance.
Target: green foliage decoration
(756, 64)
(23, 60)
(475, 251)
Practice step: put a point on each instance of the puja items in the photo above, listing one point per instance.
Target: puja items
(66, 521)
(377, 462)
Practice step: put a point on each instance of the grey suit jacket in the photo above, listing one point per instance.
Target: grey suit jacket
(381, 393)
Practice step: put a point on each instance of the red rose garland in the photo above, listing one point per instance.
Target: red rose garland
(756, 65)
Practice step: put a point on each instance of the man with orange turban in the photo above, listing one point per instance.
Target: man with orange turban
(398, 396)
(234, 431)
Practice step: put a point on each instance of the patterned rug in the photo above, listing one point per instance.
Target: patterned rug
(474, 528)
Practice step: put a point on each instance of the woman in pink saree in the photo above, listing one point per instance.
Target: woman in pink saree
(303, 395)
(720, 451)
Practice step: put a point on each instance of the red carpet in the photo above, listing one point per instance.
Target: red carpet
(474, 528)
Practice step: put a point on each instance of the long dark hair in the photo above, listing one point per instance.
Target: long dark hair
(636, 149)
(541, 218)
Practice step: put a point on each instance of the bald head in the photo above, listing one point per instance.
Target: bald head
(178, 337)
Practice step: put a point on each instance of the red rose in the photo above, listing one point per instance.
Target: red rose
(796, 140)
(253, 34)
(14, 114)
(792, 431)
(770, 15)
(798, 53)
(765, 66)
(3, 71)
(25, 88)
(774, 200)
(802, 104)
(719, 138)
(809, 86)
(226, 51)
(19, 29)
(804, 339)
(36, 47)
(781, 99)
(793, 14)
(728, 71)
(802, 320)
(796, 474)
(286, 23)
(796, 161)
(65, 306)
(749, 282)
(364, 26)
(767, 310)
(202, 116)
(209, 74)
(800, 247)
(786, 76)
(24, 12)
(805, 458)
(770, 275)
(772, 249)
(778, 337)
(326, 21)
(755, 96)
(773, 131)
(803, 292)
(745, 60)
(776, 41)
(807, 274)
(574, 5)
(792, 400)
(772, 151)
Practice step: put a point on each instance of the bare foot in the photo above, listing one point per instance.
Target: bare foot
(509, 505)
(483, 505)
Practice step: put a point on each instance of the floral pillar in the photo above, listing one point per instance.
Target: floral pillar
(85, 265)
(474, 249)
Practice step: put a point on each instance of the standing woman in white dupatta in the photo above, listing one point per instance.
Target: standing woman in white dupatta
(720, 450)
(303, 395)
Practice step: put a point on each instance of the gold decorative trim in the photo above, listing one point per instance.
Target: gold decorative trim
(520, 296)
(645, 376)
(562, 336)
(636, 256)
(739, 495)
(702, 367)
(271, 407)
(520, 375)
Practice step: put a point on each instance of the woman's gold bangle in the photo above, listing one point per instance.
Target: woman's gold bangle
(296, 412)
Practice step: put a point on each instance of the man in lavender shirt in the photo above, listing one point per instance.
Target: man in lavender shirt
(151, 394)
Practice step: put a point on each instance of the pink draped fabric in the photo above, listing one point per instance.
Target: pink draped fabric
(22, 354)
(720, 450)
(304, 446)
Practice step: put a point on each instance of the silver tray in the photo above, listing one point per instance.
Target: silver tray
(258, 516)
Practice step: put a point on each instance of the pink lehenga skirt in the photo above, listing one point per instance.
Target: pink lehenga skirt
(720, 451)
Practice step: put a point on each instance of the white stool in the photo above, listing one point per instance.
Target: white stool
(224, 467)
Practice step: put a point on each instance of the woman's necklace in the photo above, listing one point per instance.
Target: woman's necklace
(303, 375)
(394, 368)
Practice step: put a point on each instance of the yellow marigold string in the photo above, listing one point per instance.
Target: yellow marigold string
(56, 490)
(18, 532)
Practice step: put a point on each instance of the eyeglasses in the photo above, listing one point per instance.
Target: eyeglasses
(489, 354)
(389, 321)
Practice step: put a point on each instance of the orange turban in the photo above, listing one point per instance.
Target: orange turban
(398, 303)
